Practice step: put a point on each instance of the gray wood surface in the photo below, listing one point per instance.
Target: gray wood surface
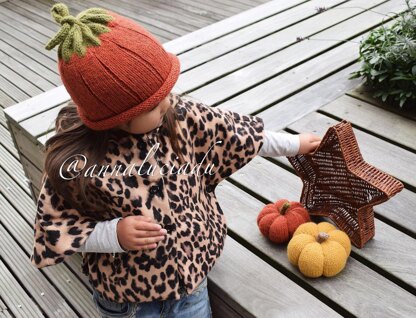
(388, 244)
(64, 281)
(13, 167)
(251, 53)
(362, 92)
(18, 196)
(38, 104)
(4, 311)
(27, 146)
(378, 121)
(228, 25)
(14, 296)
(253, 63)
(358, 289)
(255, 286)
(33, 174)
(308, 100)
(268, 68)
(7, 142)
(249, 33)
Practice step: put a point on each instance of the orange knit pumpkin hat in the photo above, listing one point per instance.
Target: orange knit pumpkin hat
(113, 68)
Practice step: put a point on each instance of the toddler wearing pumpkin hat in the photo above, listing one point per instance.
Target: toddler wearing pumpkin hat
(148, 239)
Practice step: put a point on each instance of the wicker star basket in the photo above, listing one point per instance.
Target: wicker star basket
(339, 184)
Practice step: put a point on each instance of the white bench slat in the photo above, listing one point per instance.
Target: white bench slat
(37, 104)
(252, 32)
(230, 24)
(271, 44)
(298, 52)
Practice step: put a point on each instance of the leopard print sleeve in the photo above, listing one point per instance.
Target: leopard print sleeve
(59, 229)
(223, 139)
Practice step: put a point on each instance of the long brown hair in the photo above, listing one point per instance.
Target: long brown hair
(73, 137)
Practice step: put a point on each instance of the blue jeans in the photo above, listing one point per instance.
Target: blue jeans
(188, 306)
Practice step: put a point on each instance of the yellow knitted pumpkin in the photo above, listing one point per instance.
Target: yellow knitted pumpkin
(319, 249)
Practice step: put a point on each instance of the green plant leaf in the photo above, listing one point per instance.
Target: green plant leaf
(400, 77)
(388, 56)
(382, 77)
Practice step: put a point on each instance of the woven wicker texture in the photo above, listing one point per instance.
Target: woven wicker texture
(339, 184)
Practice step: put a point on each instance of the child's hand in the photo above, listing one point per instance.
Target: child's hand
(137, 232)
(308, 143)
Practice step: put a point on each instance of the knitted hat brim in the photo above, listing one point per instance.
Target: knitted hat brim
(138, 109)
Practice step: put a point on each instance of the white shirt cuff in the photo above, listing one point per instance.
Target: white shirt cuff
(279, 144)
(103, 239)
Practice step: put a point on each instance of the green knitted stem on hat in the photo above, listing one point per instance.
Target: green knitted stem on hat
(77, 33)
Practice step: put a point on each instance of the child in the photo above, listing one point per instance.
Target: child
(130, 173)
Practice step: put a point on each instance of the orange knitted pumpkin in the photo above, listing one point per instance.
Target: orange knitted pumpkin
(278, 221)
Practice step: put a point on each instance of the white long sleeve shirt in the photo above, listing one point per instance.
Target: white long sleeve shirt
(103, 239)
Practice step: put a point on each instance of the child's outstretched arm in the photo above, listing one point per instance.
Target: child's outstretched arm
(279, 144)
(222, 139)
(229, 140)
(282, 144)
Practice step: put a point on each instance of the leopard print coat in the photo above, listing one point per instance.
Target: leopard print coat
(184, 204)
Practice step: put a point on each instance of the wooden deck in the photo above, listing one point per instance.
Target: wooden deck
(254, 63)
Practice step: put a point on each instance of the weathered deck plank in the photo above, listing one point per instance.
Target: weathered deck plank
(289, 80)
(228, 25)
(168, 12)
(13, 167)
(4, 310)
(397, 129)
(22, 33)
(23, 54)
(17, 18)
(364, 94)
(7, 142)
(26, 86)
(382, 251)
(357, 289)
(14, 296)
(247, 34)
(13, 26)
(219, 86)
(260, 300)
(64, 280)
(251, 56)
(39, 103)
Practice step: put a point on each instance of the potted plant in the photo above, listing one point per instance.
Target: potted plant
(388, 56)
